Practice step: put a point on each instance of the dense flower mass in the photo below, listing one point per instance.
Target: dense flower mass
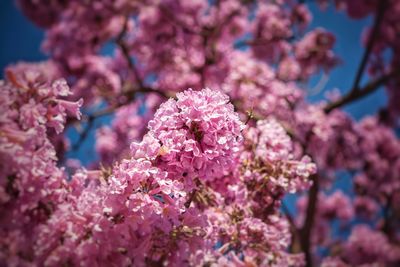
(241, 170)
(198, 134)
(270, 169)
(155, 207)
(135, 216)
(33, 111)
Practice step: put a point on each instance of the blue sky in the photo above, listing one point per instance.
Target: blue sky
(20, 39)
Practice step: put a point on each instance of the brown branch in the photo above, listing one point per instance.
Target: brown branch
(372, 38)
(306, 230)
(125, 51)
(251, 42)
(191, 198)
(355, 95)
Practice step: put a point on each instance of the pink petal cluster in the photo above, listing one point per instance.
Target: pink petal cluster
(332, 138)
(256, 86)
(33, 109)
(246, 241)
(135, 216)
(270, 169)
(381, 150)
(197, 135)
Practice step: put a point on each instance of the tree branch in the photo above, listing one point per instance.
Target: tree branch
(306, 230)
(125, 51)
(378, 21)
(355, 95)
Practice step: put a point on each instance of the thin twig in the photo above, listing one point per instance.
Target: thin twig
(372, 38)
(125, 51)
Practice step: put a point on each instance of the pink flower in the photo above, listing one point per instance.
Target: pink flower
(198, 134)
(72, 107)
